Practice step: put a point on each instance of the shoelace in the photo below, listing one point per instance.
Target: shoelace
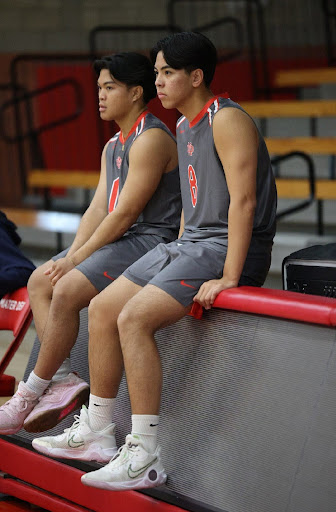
(74, 426)
(15, 404)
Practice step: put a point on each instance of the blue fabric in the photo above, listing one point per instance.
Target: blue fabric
(15, 268)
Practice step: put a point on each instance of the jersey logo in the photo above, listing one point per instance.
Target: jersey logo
(118, 162)
(114, 195)
(193, 185)
(190, 149)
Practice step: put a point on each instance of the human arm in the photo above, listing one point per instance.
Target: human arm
(236, 141)
(150, 155)
(91, 219)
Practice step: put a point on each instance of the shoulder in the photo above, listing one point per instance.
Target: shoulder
(232, 120)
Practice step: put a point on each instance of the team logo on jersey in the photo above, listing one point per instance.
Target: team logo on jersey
(118, 162)
(190, 149)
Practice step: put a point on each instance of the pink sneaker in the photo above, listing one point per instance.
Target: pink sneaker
(15, 411)
(59, 400)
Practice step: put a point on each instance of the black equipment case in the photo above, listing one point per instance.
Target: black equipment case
(311, 270)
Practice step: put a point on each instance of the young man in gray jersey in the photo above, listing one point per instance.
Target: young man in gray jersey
(137, 205)
(229, 204)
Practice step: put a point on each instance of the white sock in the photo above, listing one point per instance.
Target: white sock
(145, 426)
(63, 371)
(36, 384)
(100, 412)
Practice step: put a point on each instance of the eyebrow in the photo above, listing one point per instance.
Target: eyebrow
(105, 83)
(163, 67)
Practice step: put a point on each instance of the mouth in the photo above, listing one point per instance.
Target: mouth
(102, 108)
(161, 95)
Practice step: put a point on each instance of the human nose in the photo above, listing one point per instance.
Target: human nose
(158, 81)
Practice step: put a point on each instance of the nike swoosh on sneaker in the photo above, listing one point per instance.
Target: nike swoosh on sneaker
(183, 283)
(75, 444)
(138, 472)
(155, 425)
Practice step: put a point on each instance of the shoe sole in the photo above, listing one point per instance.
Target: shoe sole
(50, 418)
(95, 454)
(140, 483)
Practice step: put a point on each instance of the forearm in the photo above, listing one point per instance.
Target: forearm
(113, 227)
(240, 222)
(88, 225)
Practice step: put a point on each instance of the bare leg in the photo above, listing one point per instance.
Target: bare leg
(71, 294)
(105, 357)
(150, 310)
(40, 294)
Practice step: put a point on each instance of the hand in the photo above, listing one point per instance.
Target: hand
(210, 289)
(58, 269)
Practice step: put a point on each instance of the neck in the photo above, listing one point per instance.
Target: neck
(126, 122)
(194, 104)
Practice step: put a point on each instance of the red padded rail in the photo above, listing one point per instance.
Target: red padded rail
(280, 304)
(51, 477)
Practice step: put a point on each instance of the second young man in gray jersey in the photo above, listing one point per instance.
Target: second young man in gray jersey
(229, 203)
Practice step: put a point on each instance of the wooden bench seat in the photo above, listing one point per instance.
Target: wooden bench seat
(50, 221)
(304, 77)
(290, 108)
(293, 188)
(59, 178)
(310, 145)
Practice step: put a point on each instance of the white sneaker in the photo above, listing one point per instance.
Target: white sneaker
(60, 399)
(14, 412)
(80, 442)
(131, 468)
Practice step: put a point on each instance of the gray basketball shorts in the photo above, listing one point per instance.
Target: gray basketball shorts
(181, 267)
(109, 262)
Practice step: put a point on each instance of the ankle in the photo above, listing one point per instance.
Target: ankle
(145, 427)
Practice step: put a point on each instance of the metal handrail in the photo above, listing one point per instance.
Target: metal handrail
(27, 95)
(311, 179)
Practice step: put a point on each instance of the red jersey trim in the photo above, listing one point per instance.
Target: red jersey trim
(134, 127)
(205, 108)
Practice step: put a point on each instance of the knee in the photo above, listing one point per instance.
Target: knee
(100, 312)
(63, 296)
(38, 284)
(131, 320)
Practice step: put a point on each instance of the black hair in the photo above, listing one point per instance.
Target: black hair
(131, 69)
(189, 51)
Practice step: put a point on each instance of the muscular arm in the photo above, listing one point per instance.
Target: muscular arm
(95, 213)
(150, 156)
(236, 141)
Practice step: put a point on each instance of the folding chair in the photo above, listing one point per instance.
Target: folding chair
(16, 316)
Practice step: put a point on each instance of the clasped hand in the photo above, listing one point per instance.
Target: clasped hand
(58, 269)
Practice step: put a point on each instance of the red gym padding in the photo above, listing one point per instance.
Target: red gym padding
(15, 316)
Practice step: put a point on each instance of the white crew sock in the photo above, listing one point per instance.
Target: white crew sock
(63, 371)
(145, 426)
(36, 384)
(100, 412)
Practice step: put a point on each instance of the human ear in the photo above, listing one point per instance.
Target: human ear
(197, 76)
(137, 92)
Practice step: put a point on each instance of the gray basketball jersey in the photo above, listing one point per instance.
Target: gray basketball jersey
(205, 195)
(162, 213)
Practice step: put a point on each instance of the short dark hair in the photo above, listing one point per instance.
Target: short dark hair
(131, 69)
(189, 51)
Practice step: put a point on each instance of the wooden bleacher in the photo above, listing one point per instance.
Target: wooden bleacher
(294, 187)
(305, 77)
(50, 221)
